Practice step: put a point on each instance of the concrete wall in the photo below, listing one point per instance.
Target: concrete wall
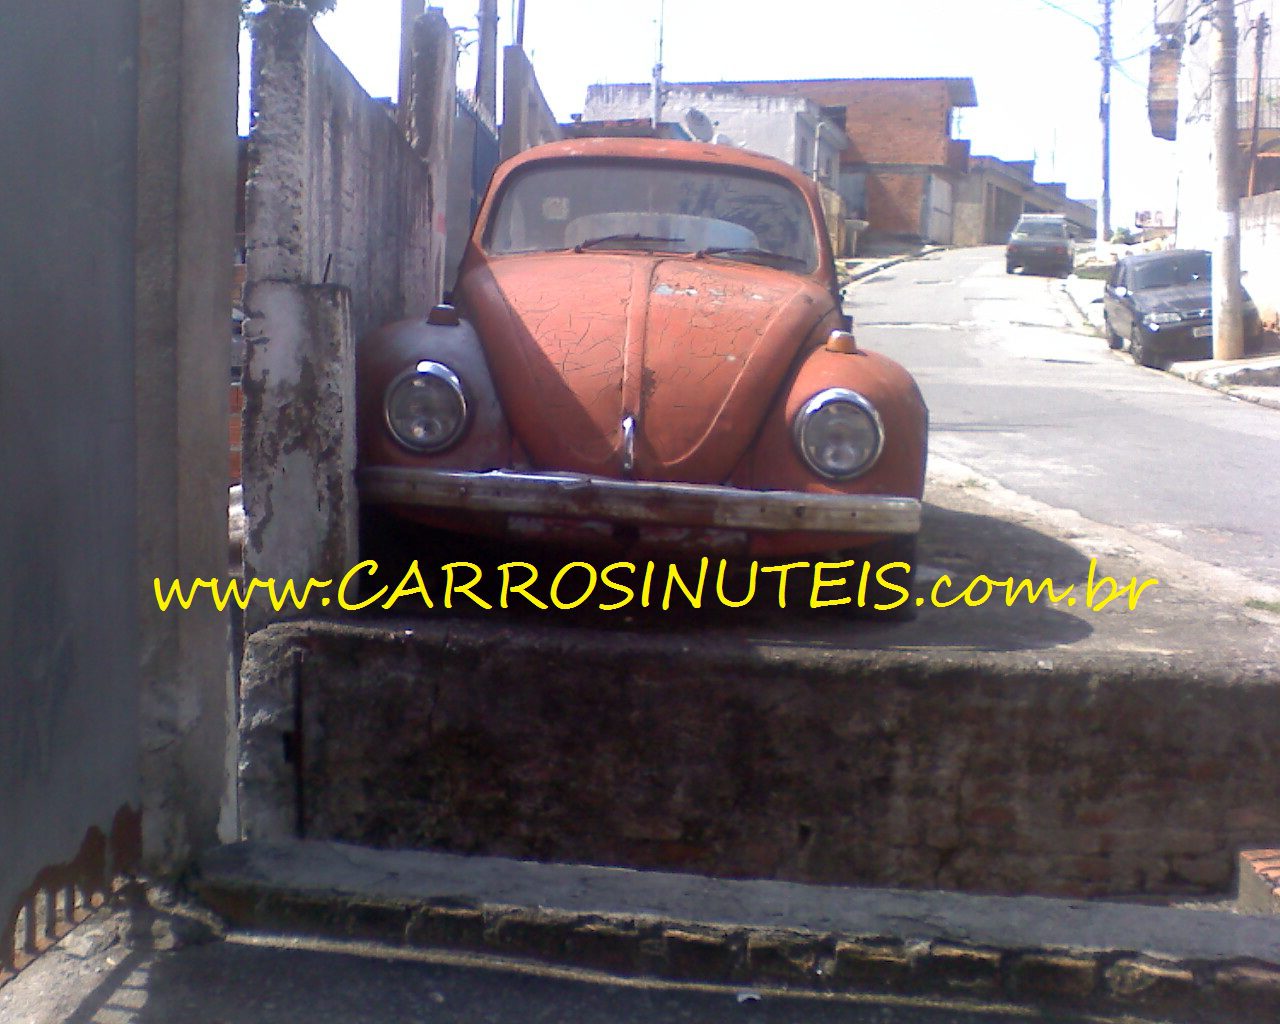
(186, 231)
(836, 767)
(527, 119)
(345, 230)
(1260, 253)
(118, 210)
(336, 194)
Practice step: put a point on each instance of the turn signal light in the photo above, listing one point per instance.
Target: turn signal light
(443, 315)
(843, 342)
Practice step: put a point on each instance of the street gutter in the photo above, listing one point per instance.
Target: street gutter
(1260, 374)
(1104, 956)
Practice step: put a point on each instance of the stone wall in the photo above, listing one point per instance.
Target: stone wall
(827, 766)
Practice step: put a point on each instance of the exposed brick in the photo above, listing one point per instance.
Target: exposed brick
(529, 933)
(872, 963)
(1048, 974)
(783, 957)
(450, 927)
(961, 967)
(387, 922)
(1143, 982)
(1251, 992)
(699, 957)
(606, 947)
(1258, 882)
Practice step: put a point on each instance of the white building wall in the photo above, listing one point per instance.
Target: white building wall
(778, 126)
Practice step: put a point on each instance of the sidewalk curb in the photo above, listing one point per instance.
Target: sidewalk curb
(893, 261)
(1189, 371)
(1190, 375)
(669, 947)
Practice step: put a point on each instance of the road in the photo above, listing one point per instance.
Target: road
(1022, 394)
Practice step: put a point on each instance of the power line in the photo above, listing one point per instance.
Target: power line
(1073, 14)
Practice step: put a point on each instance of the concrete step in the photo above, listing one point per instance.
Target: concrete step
(1187, 965)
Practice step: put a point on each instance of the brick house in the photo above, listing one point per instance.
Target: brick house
(901, 167)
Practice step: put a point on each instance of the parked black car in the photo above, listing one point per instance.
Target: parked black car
(1040, 241)
(1161, 304)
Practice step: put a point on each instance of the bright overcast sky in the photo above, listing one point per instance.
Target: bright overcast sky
(1035, 68)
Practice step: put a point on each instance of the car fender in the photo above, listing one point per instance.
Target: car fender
(774, 463)
(388, 351)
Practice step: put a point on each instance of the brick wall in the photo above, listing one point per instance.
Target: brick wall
(684, 751)
(888, 121)
(894, 202)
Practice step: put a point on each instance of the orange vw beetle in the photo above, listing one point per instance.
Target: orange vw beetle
(647, 352)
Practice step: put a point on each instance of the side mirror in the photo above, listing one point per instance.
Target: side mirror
(1119, 291)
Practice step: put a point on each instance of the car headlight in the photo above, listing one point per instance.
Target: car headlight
(1156, 319)
(426, 408)
(838, 434)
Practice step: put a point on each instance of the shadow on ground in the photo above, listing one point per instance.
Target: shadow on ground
(955, 548)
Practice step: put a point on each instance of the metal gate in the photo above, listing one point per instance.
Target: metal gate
(69, 788)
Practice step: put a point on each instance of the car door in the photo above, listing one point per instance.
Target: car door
(1111, 302)
(1121, 304)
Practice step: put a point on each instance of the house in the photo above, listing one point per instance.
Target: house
(995, 193)
(1179, 109)
(898, 169)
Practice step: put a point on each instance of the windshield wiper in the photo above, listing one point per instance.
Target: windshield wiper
(760, 254)
(589, 242)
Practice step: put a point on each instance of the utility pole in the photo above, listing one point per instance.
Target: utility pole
(1228, 328)
(1261, 28)
(657, 71)
(1104, 115)
(487, 58)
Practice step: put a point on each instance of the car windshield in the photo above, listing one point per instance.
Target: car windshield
(714, 211)
(1041, 229)
(1188, 268)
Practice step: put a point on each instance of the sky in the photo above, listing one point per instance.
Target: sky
(1035, 67)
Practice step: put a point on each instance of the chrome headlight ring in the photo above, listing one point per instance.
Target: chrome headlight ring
(425, 408)
(838, 434)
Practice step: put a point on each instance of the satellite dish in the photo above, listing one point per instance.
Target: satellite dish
(698, 125)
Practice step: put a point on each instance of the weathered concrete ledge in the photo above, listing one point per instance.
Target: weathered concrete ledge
(730, 755)
(1187, 965)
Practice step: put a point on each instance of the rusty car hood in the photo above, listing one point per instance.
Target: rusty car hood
(693, 350)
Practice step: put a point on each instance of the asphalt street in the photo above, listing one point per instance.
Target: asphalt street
(94, 978)
(1022, 393)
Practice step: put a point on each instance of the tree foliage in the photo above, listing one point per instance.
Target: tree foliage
(312, 7)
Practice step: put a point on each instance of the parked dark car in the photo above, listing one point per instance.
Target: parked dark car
(1160, 303)
(1040, 242)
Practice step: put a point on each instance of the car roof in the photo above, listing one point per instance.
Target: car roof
(1139, 258)
(659, 149)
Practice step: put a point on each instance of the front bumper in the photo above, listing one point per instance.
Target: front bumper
(575, 496)
(1176, 342)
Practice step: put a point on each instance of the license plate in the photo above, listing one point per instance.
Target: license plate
(1203, 331)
